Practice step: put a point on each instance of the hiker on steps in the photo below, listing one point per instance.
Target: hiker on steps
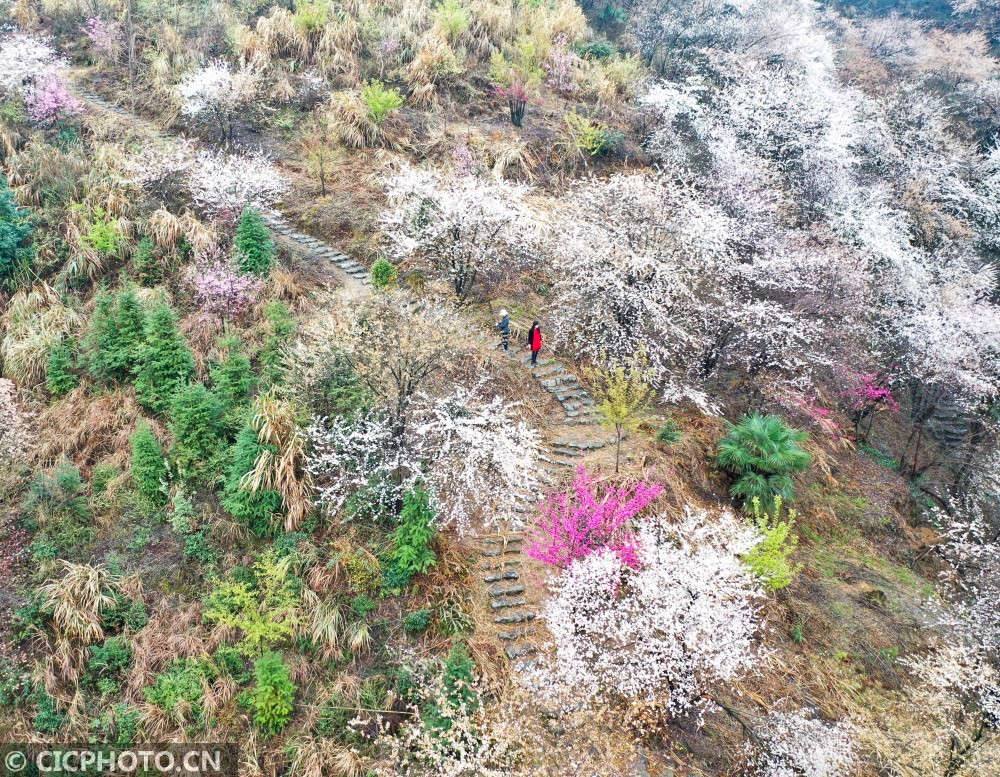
(535, 342)
(504, 326)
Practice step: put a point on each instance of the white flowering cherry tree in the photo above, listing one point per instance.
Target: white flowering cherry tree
(217, 93)
(463, 227)
(480, 459)
(225, 184)
(685, 620)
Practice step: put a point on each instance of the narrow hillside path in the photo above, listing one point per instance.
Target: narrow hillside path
(511, 596)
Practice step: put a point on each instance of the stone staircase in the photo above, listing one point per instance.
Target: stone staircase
(563, 385)
(502, 565)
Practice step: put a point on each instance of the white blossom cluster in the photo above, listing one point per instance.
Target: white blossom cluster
(463, 227)
(228, 183)
(480, 459)
(793, 744)
(688, 618)
(24, 59)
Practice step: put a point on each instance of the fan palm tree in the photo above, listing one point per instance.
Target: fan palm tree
(763, 451)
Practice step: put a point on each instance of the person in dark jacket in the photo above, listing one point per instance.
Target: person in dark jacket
(535, 342)
(504, 326)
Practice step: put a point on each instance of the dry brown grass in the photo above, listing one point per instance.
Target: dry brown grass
(91, 429)
(34, 323)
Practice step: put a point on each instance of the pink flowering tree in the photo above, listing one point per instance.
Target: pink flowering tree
(870, 393)
(219, 289)
(105, 36)
(517, 100)
(589, 517)
(561, 66)
(48, 100)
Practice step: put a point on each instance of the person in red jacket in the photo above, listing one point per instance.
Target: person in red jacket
(535, 342)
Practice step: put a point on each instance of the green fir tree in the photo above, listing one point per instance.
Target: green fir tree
(59, 376)
(197, 425)
(254, 245)
(165, 362)
(149, 468)
(252, 508)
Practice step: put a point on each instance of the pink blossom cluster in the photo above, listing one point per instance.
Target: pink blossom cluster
(219, 289)
(871, 391)
(102, 34)
(560, 66)
(591, 517)
(49, 100)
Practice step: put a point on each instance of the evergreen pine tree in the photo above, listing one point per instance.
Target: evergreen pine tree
(59, 377)
(197, 425)
(98, 345)
(253, 508)
(280, 331)
(255, 247)
(232, 378)
(165, 361)
(147, 266)
(149, 469)
(15, 233)
(128, 335)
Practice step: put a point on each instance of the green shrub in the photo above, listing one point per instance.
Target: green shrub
(384, 274)
(123, 724)
(104, 234)
(149, 468)
(451, 17)
(230, 661)
(165, 361)
(179, 689)
(48, 718)
(15, 234)
(273, 699)
(311, 17)
(124, 614)
(362, 605)
(458, 676)
(592, 137)
(769, 559)
(265, 608)
(417, 621)
(599, 49)
(57, 506)
(255, 509)
(335, 717)
(380, 101)
(335, 388)
(59, 376)
(197, 425)
(255, 247)
(232, 378)
(148, 270)
(110, 659)
(16, 686)
(669, 433)
(762, 452)
(415, 533)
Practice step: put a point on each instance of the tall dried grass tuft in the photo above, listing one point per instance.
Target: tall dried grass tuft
(281, 466)
(324, 758)
(175, 630)
(36, 321)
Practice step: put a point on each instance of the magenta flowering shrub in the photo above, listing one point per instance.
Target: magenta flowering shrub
(561, 66)
(49, 100)
(870, 392)
(591, 516)
(219, 289)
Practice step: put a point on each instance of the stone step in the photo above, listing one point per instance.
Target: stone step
(514, 616)
(515, 652)
(547, 370)
(347, 265)
(505, 604)
(502, 540)
(497, 552)
(510, 636)
(498, 590)
(505, 564)
(580, 445)
(496, 577)
(558, 462)
(563, 450)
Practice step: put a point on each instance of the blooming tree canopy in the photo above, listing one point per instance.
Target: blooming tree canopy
(216, 92)
(685, 619)
(464, 227)
(226, 184)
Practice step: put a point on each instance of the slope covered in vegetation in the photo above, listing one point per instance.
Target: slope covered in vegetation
(269, 473)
